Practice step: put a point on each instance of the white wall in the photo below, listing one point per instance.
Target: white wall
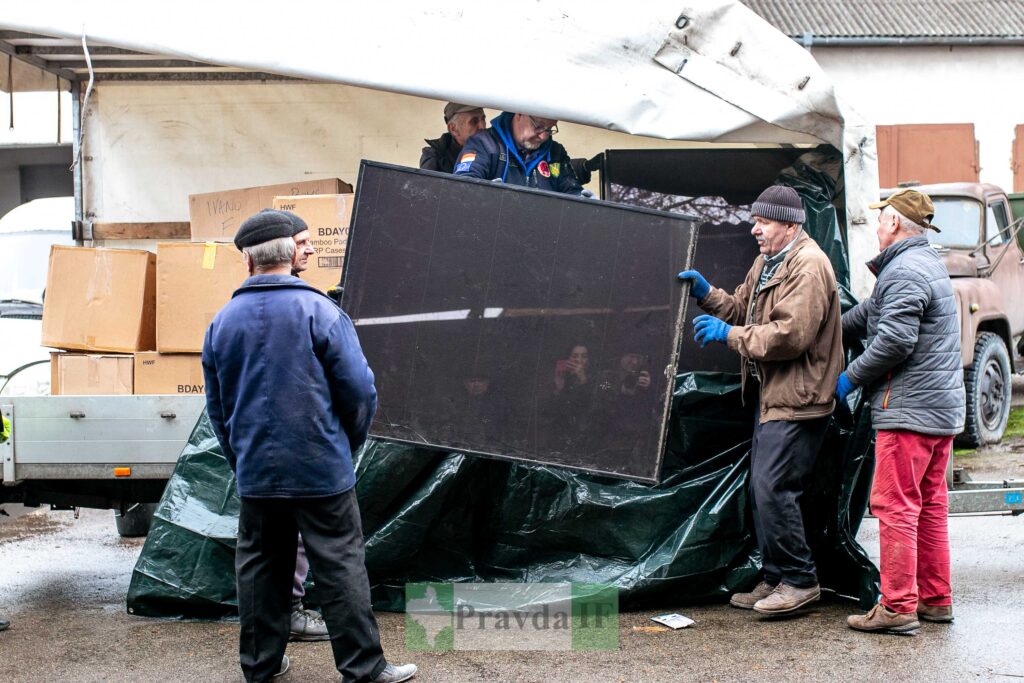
(147, 147)
(979, 85)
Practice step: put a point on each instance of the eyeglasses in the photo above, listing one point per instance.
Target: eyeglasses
(538, 128)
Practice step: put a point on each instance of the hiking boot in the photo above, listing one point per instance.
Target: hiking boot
(747, 600)
(785, 599)
(940, 614)
(880, 618)
(285, 663)
(307, 625)
(393, 673)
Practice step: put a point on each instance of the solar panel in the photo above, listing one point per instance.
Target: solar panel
(517, 323)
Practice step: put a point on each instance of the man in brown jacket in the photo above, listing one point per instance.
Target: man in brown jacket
(784, 321)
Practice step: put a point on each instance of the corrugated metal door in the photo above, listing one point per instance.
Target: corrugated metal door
(1018, 159)
(927, 153)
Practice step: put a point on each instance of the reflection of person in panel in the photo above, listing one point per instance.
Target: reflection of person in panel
(624, 402)
(476, 418)
(571, 371)
(568, 410)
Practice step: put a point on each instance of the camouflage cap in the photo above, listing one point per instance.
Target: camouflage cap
(453, 108)
(917, 206)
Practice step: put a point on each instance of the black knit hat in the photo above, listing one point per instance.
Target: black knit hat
(780, 203)
(268, 224)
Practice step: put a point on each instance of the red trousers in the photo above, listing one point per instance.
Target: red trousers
(910, 501)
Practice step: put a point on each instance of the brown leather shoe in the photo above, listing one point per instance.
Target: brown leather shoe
(785, 599)
(747, 600)
(940, 614)
(881, 619)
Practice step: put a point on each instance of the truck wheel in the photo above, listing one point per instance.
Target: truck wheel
(988, 393)
(136, 520)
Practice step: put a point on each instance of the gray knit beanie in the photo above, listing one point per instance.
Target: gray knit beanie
(780, 203)
(267, 225)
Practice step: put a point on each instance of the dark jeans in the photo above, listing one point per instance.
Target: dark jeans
(265, 564)
(782, 457)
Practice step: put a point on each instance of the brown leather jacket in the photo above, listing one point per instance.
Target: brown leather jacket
(797, 339)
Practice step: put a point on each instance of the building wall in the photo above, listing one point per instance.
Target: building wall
(979, 85)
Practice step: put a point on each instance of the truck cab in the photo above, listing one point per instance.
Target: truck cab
(981, 247)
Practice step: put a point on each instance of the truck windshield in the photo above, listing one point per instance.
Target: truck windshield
(24, 257)
(960, 221)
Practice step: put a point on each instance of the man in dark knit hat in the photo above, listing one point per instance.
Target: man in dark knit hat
(463, 121)
(784, 321)
(290, 398)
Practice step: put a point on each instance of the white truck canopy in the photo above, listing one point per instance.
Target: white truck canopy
(702, 70)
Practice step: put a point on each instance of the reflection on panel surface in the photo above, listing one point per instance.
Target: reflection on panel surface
(516, 323)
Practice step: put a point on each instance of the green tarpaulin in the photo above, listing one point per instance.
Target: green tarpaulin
(446, 517)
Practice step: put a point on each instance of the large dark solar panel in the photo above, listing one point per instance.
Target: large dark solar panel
(517, 323)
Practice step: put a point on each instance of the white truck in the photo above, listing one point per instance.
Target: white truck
(163, 109)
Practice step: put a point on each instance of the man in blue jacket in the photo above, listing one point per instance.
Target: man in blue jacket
(518, 149)
(290, 397)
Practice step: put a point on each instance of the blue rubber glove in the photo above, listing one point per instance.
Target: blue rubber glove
(709, 329)
(699, 287)
(843, 387)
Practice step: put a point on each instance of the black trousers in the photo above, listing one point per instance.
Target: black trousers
(265, 565)
(782, 456)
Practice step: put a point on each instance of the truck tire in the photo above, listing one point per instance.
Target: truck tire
(135, 521)
(988, 393)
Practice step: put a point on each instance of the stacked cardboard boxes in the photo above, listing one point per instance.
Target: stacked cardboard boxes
(130, 321)
(102, 302)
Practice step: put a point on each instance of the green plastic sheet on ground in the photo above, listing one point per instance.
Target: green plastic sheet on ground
(448, 517)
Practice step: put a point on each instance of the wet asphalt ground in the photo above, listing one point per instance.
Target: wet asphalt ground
(63, 583)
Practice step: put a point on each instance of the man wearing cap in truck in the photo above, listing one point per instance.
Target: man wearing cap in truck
(784, 321)
(290, 397)
(463, 120)
(912, 371)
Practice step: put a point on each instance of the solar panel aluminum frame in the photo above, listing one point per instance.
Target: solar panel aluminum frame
(688, 232)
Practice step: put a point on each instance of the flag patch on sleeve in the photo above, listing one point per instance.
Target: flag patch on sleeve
(465, 161)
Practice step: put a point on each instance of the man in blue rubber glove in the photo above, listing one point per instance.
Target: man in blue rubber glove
(784, 321)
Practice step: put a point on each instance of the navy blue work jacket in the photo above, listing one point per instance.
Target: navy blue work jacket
(491, 154)
(288, 390)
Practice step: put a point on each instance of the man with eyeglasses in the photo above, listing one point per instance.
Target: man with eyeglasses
(518, 149)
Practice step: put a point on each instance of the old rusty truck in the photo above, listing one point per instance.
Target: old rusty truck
(983, 249)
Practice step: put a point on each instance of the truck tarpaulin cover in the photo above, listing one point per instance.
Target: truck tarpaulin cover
(447, 517)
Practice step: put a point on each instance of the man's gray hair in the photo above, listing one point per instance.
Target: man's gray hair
(270, 254)
(906, 224)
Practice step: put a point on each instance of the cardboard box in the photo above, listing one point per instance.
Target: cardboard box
(100, 300)
(78, 374)
(169, 373)
(328, 218)
(216, 216)
(193, 282)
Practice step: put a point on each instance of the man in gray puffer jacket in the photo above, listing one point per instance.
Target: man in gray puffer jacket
(911, 367)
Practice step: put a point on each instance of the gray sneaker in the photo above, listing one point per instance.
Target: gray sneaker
(393, 673)
(4, 624)
(785, 599)
(747, 600)
(308, 625)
